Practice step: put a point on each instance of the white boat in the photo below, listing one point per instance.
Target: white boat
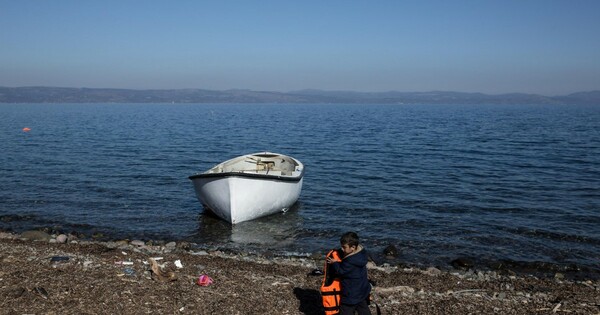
(250, 186)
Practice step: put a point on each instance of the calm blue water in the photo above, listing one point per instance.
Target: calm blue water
(491, 183)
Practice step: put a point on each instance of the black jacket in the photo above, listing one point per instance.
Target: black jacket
(353, 272)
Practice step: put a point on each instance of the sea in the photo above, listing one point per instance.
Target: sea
(484, 185)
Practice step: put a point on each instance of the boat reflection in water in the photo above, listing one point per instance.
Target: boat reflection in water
(271, 232)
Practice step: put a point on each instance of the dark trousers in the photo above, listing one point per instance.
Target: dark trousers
(361, 308)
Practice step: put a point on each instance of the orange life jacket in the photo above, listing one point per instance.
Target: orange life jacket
(331, 289)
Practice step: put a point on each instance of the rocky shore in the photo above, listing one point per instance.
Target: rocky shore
(44, 274)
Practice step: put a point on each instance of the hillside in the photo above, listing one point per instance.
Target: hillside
(92, 95)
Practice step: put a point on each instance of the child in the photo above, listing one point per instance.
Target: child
(353, 272)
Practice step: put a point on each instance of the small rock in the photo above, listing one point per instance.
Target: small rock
(61, 239)
(36, 235)
(171, 245)
(15, 293)
(396, 289)
(433, 271)
(5, 235)
(559, 276)
(184, 245)
(316, 256)
(462, 263)
(200, 268)
(97, 235)
(391, 251)
(137, 243)
(480, 276)
(268, 254)
(72, 237)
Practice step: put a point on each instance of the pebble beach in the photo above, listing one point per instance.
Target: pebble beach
(55, 274)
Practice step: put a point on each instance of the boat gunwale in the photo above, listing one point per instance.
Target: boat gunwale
(250, 175)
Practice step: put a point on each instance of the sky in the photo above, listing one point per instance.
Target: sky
(548, 47)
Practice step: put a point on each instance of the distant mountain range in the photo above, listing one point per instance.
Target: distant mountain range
(91, 95)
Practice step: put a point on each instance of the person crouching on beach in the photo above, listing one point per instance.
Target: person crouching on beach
(352, 271)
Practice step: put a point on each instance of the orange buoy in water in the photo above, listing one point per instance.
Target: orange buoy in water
(26, 129)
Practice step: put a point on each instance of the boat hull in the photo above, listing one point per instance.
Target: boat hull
(242, 195)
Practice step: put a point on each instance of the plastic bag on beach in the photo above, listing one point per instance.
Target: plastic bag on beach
(204, 280)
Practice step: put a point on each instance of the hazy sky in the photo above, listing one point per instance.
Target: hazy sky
(547, 47)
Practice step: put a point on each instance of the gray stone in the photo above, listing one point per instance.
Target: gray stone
(137, 243)
(72, 237)
(433, 271)
(36, 235)
(171, 245)
(559, 276)
(61, 239)
(184, 245)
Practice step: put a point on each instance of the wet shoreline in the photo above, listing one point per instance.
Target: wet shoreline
(389, 257)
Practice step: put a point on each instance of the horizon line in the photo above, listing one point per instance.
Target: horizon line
(293, 91)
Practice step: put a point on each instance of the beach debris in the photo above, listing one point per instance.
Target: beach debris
(124, 263)
(204, 280)
(41, 291)
(129, 271)
(178, 264)
(59, 258)
(26, 129)
(316, 272)
(159, 273)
